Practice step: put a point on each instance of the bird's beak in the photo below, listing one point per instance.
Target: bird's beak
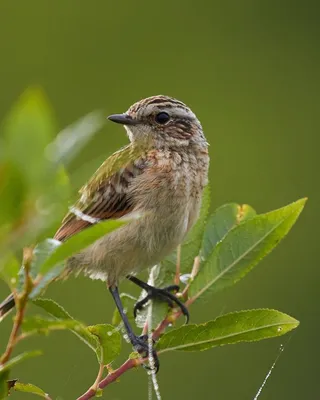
(123, 119)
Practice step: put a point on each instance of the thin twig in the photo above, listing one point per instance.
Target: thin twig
(91, 392)
(131, 363)
(113, 376)
(21, 303)
(13, 335)
(177, 276)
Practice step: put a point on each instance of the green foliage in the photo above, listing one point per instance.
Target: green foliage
(71, 140)
(4, 376)
(9, 270)
(30, 121)
(191, 247)
(103, 339)
(18, 359)
(29, 388)
(242, 326)
(41, 253)
(221, 222)
(12, 186)
(219, 250)
(110, 341)
(40, 325)
(57, 311)
(243, 247)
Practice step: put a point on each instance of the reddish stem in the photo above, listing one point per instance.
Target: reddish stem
(113, 376)
(129, 364)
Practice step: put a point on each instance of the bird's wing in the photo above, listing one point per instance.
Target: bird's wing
(106, 194)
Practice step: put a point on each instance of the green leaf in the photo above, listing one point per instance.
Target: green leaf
(80, 241)
(44, 214)
(242, 326)
(45, 281)
(18, 359)
(243, 247)
(41, 253)
(57, 311)
(12, 193)
(9, 270)
(110, 341)
(52, 206)
(30, 122)
(72, 139)
(191, 246)
(104, 340)
(30, 388)
(4, 390)
(221, 222)
(40, 325)
(52, 308)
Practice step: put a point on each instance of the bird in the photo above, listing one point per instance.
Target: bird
(155, 183)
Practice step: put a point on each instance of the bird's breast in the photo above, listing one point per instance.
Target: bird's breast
(169, 193)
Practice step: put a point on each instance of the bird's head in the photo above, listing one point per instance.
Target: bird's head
(163, 120)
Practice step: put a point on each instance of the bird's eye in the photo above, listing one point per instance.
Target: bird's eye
(162, 118)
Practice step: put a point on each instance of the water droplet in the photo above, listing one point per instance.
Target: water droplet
(185, 278)
(279, 329)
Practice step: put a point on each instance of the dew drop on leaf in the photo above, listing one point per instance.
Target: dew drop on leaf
(185, 278)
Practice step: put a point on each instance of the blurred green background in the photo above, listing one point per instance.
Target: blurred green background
(250, 71)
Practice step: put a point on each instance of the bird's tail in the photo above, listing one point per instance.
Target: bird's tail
(6, 306)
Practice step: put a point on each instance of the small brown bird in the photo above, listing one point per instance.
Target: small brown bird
(160, 177)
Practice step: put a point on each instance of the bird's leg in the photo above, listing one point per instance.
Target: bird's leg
(6, 306)
(140, 343)
(163, 294)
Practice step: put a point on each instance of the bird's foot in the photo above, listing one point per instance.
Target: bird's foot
(163, 294)
(142, 346)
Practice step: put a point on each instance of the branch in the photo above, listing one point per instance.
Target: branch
(131, 362)
(14, 333)
(21, 303)
(113, 376)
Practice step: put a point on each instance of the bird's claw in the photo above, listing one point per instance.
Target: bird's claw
(141, 345)
(163, 295)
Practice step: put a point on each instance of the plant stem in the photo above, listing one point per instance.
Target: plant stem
(14, 333)
(21, 303)
(91, 392)
(113, 376)
(130, 363)
(177, 276)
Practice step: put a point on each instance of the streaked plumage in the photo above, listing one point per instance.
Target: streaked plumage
(160, 175)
